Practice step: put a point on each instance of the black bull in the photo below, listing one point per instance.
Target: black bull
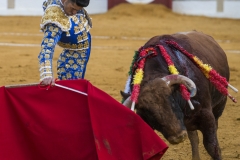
(162, 106)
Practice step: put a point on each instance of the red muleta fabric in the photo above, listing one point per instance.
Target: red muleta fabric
(58, 124)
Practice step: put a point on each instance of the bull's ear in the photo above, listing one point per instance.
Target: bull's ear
(124, 95)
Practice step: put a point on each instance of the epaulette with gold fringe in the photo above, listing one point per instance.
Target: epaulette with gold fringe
(54, 14)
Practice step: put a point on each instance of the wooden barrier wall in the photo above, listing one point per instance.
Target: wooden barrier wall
(167, 3)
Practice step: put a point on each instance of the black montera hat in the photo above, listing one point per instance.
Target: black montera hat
(82, 3)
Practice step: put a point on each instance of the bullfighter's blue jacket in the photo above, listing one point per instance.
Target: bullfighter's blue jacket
(69, 32)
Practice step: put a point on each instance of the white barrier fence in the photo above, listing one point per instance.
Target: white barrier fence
(34, 7)
(211, 8)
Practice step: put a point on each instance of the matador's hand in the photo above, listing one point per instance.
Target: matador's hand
(48, 81)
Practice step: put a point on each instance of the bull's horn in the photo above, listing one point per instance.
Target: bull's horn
(128, 102)
(178, 79)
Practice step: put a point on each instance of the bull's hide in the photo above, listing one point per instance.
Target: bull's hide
(160, 73)
(58, 124)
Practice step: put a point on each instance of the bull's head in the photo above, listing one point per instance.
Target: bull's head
(159, 104)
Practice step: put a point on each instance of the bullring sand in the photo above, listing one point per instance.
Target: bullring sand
(116, 35)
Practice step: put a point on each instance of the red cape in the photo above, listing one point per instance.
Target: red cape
(58, 124)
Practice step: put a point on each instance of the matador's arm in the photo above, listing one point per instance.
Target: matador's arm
(52, 34)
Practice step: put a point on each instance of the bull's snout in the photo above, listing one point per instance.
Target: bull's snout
(178, 138)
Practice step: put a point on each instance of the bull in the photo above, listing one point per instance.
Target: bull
(160, 102)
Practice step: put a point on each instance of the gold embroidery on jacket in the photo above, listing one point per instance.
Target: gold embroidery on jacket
(75, 19)
(82, 37)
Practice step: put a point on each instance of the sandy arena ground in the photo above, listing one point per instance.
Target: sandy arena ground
(116, 35)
